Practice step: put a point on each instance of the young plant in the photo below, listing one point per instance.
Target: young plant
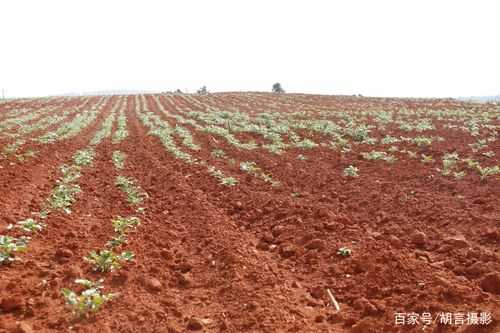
(427, 159)
(228, 181)
(480, 144)
(134, 193)
(378, 155)
(489, 154)
(351, 171)
(344, 252)
(218, 153)
(483, 172)
(387, 140)
(107, 260)
(11, 245)
(449, 163)
(253, 169)
(488, 171)
(117, 241)
(70, 173)
(358, 133)
(122, 224)
(26, 155)
(422, 141)
(83, 157)
(119, 159)
(89, 300)
(30, 225)
(63, 196)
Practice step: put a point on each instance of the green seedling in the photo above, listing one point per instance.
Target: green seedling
(218, 153)
(378, 155)
(117, 241)
(83, 157)
(488, 171)
(70, 173)
(344, 252)
(30, 225)
(89, 300)
(63, 196)
(134, 194)
(489, 154)
(351, 171)
(119, 159)
(9, 246)
(107, 260)
(27, 154)
(228, 181)
(253, 169)
(422, 141)
(122, 224)
(427, 159)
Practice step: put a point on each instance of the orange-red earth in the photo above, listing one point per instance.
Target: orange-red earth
(253, 209)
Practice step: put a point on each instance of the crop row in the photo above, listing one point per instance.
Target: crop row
(60, 199)
(343, 130)
(248, 167)
(40, 125)
(63, 194)
(163, 130)
(111, 257)
(121, 131)
(82, 120)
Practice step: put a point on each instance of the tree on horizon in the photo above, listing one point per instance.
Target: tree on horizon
(277, 88)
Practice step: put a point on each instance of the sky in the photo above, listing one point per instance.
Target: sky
(398, 48)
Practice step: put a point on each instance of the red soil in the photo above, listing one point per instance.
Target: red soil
(252, 258)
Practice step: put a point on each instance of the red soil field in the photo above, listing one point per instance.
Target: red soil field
(242, 218)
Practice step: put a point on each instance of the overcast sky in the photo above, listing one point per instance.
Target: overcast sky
(378, 48)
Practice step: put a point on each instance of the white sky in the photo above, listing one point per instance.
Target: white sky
(377, 48)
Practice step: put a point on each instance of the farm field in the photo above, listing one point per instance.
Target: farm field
(248, 212)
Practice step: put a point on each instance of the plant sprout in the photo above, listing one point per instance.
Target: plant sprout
(83, 157)
(107, 260)
(9, 246)
(344, 252)
(218, 153)
(30, 225)
(89, 300)
(351, 171)
(134, 194)
(118, 159)
(121, 224)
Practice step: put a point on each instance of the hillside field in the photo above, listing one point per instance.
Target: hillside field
(249, 212)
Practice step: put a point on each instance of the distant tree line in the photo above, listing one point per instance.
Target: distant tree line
(277, 89)
(202, 91)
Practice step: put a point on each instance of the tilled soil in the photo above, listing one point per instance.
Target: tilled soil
(251, 257)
